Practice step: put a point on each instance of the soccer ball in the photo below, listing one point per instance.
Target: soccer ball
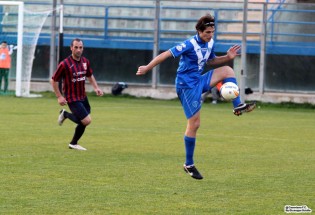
(229, 91)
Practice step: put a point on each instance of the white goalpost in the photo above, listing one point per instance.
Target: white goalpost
(19, 42)
(21, 29)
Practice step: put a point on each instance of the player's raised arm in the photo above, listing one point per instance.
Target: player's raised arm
(234, 51)
(230, 55)
(142, 70)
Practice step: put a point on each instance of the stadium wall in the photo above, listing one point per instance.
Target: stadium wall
(287, 72)
(166, 93)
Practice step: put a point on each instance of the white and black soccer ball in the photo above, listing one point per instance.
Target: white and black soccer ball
(229, 91)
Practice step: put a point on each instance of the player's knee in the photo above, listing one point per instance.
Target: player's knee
(195, 125)
(228, 72)
(221, 73)
(86, 121)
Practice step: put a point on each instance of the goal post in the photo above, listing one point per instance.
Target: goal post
(21, 28)
(19, 40)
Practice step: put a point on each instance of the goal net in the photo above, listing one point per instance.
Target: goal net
(20, 28)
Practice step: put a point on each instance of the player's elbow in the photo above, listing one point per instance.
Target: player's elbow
(53, 82)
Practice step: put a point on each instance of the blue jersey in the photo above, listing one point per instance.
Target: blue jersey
(194, 55)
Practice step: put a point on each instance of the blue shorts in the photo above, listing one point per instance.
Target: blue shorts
(80, 109)
(191, 97)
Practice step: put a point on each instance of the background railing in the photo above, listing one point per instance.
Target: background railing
(120, 37)
(109, 23)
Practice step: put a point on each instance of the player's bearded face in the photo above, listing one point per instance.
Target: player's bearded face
(77, 49)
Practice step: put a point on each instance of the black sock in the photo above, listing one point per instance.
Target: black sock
(79, 130)
(72, 117)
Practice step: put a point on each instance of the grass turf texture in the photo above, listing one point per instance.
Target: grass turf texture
(253, 164)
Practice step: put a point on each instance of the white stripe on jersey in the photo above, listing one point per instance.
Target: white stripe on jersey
(198, 52)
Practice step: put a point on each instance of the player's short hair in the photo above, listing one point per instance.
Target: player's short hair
(77, 40)
(4, 42)
(204, 22)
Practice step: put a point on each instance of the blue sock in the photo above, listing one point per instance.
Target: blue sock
(190, 143)
(237, 100)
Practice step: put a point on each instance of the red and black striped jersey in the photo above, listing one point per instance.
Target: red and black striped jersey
(73, 74)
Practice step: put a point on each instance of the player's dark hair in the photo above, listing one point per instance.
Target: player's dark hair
(204, 22)
(77, 40)
(4, 42)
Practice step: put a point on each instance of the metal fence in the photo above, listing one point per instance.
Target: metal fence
(280, 40)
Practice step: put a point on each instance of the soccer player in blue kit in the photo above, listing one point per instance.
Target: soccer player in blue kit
(194, 53)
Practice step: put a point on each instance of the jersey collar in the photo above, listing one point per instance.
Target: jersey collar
(198, 39)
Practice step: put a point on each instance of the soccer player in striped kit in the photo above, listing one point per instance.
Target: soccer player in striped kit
(194, 53)
(74, 70)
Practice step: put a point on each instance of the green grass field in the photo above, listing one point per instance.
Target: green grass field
(253, 164)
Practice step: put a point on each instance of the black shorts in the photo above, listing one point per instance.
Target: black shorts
(80, 109)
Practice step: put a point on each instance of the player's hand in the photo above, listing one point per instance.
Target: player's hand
(142, 70)
(99, 92)
(234, 51)
(62, 101)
